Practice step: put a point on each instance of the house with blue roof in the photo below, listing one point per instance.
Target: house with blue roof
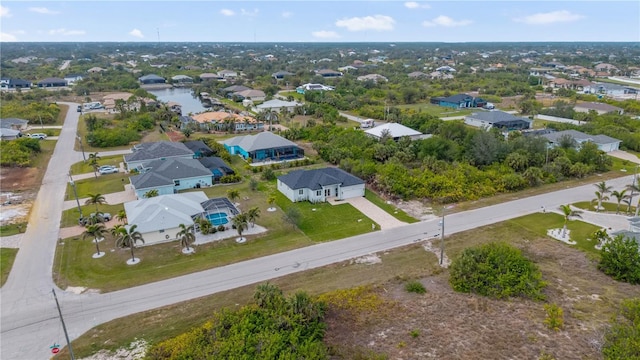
(320, 185)
(458, 101)
(497, 119)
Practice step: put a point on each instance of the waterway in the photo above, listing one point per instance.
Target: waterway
(183, 96)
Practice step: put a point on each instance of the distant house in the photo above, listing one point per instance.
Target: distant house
(224, 121)
(230, 90)
(9, 134)
(277, 105)
(209, 77)
(227, 74)
(394, 130)
(497, 119)
(372, 77)
(199, 148)
(313, 87)
(600, 108)
(263, 146)
(171, 175)
(327, 73)
(72, 79)
(610, 89)
(446, 68)
(145, 153)
(417, 75)
(13, 84)
(347, 68)
(217, 166)
(605, 67)
(319, 185)
(604, 142)
(158, 218)
(52, 82)
(95, 70)
(251, 94)
(281, 74)
(182, 79)
(152, 79)
(458, 101)
(185, 120)
(14, 123)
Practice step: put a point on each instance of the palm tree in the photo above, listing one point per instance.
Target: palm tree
(128, 237)
(240, 222)
(121, 216)
(252, 215)
(95, 231)
(233, 194)
(186, 236)
(601, 193)
(600, 197)
(620, 196)
(93, 162)
(270, 200)
(634, 188)
(568, 213)
(95, 199)
(151, 193)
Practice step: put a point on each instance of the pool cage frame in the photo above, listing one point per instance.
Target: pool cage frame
(216, 205)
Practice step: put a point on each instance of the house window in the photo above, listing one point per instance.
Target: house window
(161, 231)
(319, 192)
(176, 182)
(300, 192)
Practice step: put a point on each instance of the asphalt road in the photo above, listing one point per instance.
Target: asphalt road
(29, 321)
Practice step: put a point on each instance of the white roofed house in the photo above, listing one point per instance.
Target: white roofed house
(604, 142)
(71, 79)
(277, 105)
(395, 131)
(182, 79)
(372, 77)
(227, 74)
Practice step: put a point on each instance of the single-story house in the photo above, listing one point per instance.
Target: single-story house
(327, 73)
(9, 134)
(234, 89)
(600, 108)
(497, 119)
(458, 101)
(318, 185)
(281, 74)
(171, 175)
(609, 89)
(95, 70)
(8, 84)
(209, 77)
(227, 74)
(252, 94)
(182, 79)
(277, 105)
(394, 130)
(224, 121)
(604, 142)
(372, 77)
(14, 123)
(417, 75)
(185, 120)
(145, 153)
(199, 148)
(158, 218)
(72, 79)
(217, 166)
(313, 87)
(262, 147)
(152, 79)
(52, 82)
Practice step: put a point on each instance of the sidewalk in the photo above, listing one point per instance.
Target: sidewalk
(114, 198)
(384, 219)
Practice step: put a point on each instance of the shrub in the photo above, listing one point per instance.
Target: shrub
(268, 174)
(496, 270)
(221, 228)
(414, 333)
(415, 287)
(622, 341)
(620, 259)
(555, 317)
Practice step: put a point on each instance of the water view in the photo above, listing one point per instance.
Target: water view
(182, 96)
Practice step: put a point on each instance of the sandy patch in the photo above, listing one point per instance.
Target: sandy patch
(76, 289)
(432, 248)
(367, 259)
(415, 209)
(136, 350)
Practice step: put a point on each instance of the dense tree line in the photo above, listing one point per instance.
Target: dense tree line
(19, 152)
(28, 109)
(104, 132)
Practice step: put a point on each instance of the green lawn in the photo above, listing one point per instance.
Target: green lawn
(84, 167)
(48, 132)
(392, 210)
(12, 229)
(70, 217)
(104, 184)
(436, 110)
(609, 207)
(580, 231)
(7, 256)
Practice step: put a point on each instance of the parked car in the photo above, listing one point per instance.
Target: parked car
(79, 109)
(40, 136)
(107, 169)
(94, 218)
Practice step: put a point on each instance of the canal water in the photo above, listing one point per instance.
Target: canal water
(183, 96)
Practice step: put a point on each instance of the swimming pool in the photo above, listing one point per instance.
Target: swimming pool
(218, 219)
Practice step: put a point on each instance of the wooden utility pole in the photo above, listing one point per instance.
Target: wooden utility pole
(64, 327)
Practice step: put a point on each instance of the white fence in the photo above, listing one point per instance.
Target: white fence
(558, 119)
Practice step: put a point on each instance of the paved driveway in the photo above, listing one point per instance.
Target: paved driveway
(624, 156)
(384, 219)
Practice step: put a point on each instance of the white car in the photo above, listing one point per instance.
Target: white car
(107, 169)
(40, 136)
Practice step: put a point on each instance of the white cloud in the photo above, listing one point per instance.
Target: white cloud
(137, 33)
(66, 32)
(18, 32)
(4, 37)
(416, 5)
(375, 22)
(445, 21)
(43, 10)
(4, 11)
(323, 34)
(249, 13)
(227, 12)
(550, 18)
(287, 14)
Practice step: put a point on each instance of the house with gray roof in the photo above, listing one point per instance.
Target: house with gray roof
(52, 82)
(199, 148)
(171, 175)
(319, 185)
(277, 105)
(264, 146)
(145, 153)
(14, 123)
(497, 119)
(9, 134)
(217, 166)
(604, 142)
(281, 74)
(600, 108)
(152, 79)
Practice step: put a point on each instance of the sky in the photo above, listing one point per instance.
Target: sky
(319, 21)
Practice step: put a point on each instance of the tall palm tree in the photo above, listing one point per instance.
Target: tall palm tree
(93, 162)
(568, 213)
(121, 216)
(603, 190)
(620, 196)
(270, 200)
(233, 195)
(252, 215)
(240, 222)
(151, 193)
(96, 199)
(600, 197)
(95, 231)
(634, 188)
(128, 237)
(186, 236)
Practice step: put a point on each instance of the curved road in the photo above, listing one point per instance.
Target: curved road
(29, 318)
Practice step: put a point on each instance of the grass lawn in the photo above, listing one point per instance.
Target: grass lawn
(392, 210)
(70, 217)
(609, 207)
(48, 132)
(12, 229)
(104, 184)
(436, 110)
(7, 256)
(84, 167)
